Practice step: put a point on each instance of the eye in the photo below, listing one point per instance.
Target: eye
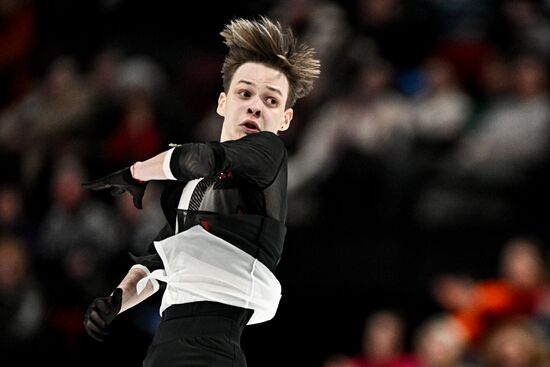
(271, 101)
(244, 93)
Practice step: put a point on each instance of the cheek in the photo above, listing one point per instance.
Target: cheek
(235, 114)
(232, 109)
(275, 122)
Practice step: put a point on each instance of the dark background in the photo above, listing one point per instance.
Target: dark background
(344, 263)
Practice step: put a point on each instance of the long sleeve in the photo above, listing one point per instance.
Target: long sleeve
(255, 159)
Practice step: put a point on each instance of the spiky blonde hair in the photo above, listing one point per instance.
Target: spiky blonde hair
(266, 42)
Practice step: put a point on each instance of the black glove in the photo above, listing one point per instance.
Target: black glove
(120, 181)
(101, 313)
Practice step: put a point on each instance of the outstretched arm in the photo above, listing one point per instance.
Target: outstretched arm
(255, 158)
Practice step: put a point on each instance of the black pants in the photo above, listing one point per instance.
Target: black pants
(199, 334)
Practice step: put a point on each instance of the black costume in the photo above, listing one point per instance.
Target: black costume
(241, 200)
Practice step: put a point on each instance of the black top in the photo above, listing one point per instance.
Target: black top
(245, 201)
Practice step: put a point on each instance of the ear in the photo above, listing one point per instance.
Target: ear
(221, 104)
(287, 117)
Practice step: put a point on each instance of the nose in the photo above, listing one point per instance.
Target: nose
(255, 110)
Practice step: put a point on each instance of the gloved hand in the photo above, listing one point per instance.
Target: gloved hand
(120, 181)
(101, 313)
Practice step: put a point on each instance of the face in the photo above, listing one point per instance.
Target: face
(254, 102)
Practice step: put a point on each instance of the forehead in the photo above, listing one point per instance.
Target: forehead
(261, 76)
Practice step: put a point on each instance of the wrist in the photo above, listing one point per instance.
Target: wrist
(134, 174)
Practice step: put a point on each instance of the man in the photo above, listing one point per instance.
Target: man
(225, 212)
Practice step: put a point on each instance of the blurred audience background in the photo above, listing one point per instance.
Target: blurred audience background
(418, 176)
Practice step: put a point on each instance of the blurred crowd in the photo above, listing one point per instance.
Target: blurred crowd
(495, 322)
(430, 122)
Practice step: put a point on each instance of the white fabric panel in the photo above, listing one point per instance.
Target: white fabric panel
(202, 267)
(150, 277)
(166, 165)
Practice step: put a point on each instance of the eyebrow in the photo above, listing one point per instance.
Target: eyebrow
(276, 90)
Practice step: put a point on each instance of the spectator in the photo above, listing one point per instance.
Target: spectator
(476, 306)
(22, 305)
(514, 344)
(439, 343)
(383, 342)
(17, 39)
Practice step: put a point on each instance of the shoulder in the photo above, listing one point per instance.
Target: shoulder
(266, 139)
(263, 135)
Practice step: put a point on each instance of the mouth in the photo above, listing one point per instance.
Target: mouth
(250, 127)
